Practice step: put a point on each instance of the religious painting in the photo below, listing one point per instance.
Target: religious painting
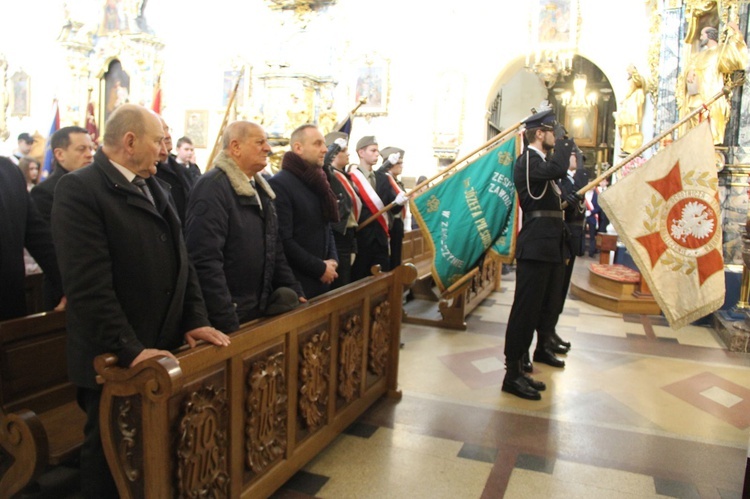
(372, 85)
(116, 88)
(20, 98)
(243, 89)
(196, 127)
(554, 22)
(581, 124)
(113, 18)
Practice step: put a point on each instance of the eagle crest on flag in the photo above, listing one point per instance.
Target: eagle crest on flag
(675, 237)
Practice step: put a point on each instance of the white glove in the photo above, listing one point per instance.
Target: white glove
(393, 158)
(588, 213)
(401, 198)
(341, 142)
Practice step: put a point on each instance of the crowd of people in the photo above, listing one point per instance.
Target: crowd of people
(146, 253)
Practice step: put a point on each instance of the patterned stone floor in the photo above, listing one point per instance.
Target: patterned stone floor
(639, 411)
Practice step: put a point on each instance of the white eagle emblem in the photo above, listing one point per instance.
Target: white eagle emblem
(695, 222)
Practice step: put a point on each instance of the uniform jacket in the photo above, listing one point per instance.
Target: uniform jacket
(574, 214)
(305, 233)
(541, 238)
(43, 194)
(235, 245)
(373, 233)
(21, 226)
(345, 201)
(125, 268)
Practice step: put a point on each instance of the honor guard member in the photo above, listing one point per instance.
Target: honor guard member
(393, 165)
(541, 249)
(372, 240)
(350, 205)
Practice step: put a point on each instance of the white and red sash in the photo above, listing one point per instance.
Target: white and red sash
(369, 197)
(356, 201)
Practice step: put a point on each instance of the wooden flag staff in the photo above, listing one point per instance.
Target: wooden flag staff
(217, 143)
(448, 168)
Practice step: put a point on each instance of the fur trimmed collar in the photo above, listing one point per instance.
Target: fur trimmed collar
(239, 180)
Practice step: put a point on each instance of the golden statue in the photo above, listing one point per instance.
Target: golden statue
(630, 112)
(705, 74)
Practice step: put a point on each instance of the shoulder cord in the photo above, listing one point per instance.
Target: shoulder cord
(528, 184)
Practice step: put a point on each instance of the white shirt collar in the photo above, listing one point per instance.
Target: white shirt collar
(544, 156)
(129, 176)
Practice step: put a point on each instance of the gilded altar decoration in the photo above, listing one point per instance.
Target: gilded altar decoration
(126, 426)
(266, 407)
(4, 132)
(202, 445)
(380, 334)
(350, 358)
(313, 379)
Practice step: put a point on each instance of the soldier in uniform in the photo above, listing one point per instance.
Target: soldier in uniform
(541, 250)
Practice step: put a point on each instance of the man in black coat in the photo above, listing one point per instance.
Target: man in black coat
(177, 176)
(21, 226)
(72, 149)
(540, 252)
(130, 287)
(232, 234)
(306, 207)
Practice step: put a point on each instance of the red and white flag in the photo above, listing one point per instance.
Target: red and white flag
(667, 213)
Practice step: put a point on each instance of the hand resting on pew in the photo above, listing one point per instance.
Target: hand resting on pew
(207, 334)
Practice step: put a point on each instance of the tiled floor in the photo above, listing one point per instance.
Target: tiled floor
(639, 411)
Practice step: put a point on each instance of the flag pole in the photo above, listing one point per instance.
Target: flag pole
(448, 168)
(608, 173)
(217, 144)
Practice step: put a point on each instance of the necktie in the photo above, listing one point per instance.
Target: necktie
(141, 184)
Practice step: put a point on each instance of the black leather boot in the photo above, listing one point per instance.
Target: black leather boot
(526, 364)
(547, 356)
(516, 383)
(555, 338)
(536, 385)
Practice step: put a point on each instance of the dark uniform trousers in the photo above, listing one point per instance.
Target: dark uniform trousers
(346, 244)
(536, 304)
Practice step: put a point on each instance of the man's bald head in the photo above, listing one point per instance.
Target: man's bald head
(134, 138)
(246, 143)
(124, 119)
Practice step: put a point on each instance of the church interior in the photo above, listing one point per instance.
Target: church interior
(641, 409)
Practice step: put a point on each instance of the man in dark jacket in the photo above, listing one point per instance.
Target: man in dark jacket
(177, 176)
(232, 234)
(307, 206)
(540, 252)
(131, 289)
(72, 149)
(21, 226)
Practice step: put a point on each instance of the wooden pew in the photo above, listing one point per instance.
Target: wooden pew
(239, 421)
(40, 422)
(451, 308)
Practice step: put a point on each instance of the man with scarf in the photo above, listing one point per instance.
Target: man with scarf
(231, 231)
(306, 207)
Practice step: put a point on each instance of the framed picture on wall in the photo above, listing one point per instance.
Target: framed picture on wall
(196, 127)
(372, 83)
(581, 125)
(555, 23)
(20, 94)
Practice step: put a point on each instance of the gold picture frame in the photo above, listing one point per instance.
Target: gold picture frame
(196, 127)
(20, 95)
(372, 82)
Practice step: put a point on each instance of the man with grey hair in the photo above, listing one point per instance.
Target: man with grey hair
(131, 289)
(232, 234)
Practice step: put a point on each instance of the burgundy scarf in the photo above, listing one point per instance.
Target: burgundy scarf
(315, 178)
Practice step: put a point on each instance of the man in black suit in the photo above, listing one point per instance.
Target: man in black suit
(21, 226)
(72, 149)
(541, 249)
(306, 207)
(131, 289)
(185, 154)
(177, 176)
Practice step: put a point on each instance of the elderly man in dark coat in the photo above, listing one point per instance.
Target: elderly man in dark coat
(232, 234)
(307, 206)
(131, 289)
(21, 225)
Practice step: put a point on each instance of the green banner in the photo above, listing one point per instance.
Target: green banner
(469, 212)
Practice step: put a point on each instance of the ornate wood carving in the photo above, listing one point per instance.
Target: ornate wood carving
(266, 408)
(380, 333)
(350, 357)
(315, 362)
(127, 427)
(202, 446)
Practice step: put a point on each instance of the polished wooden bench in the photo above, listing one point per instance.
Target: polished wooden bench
(40, 423)
(239, 421)
(450, 308)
